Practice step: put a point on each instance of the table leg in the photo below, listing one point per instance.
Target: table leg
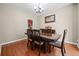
(49, 48)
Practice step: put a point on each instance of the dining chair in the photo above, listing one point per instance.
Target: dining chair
(47, 31)
(53, 31)
(60, 44)
(30, 37)
(37, 40)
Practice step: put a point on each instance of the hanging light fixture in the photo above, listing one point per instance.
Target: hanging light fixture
(38, 8)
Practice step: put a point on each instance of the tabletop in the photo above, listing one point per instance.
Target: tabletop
(53, 37)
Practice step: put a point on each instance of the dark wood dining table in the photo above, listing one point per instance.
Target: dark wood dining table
(46, 39)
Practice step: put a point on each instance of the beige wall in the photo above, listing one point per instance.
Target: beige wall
(65, 19)
(13, 23)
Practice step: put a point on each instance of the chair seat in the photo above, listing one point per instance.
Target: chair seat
(38, 43)
(30, 39)
(57, 44)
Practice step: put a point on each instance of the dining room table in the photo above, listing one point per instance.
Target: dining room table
(49, 38)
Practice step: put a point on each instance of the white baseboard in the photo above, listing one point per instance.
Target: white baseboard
(12, 41)
(71, 42)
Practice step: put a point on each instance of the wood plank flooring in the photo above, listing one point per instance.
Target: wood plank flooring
(20, 49)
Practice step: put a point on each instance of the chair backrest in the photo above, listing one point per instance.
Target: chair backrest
(36, 32)
(36, 35)
(64, 34)
(53, 31)
(48, 32)
(29, 33)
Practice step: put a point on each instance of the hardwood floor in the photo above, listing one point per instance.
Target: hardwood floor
(20, 49)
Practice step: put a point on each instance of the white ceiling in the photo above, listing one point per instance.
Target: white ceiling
(30, 6)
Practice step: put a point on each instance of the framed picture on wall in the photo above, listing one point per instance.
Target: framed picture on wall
(30, 23)
(50, 18)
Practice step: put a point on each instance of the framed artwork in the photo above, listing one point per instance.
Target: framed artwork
(50, 18)
(30, 23)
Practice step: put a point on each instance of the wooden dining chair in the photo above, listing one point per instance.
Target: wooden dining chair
(47, 31)
(30, 37)
(37, 40)
(59, 44)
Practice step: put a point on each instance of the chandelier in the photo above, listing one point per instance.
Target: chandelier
(38, 8)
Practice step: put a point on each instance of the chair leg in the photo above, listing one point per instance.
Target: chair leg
(44, 48)
(49, 46)
(53, 47)
(28, 43)
(39, 50)
(31, 45)
(62, 51)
